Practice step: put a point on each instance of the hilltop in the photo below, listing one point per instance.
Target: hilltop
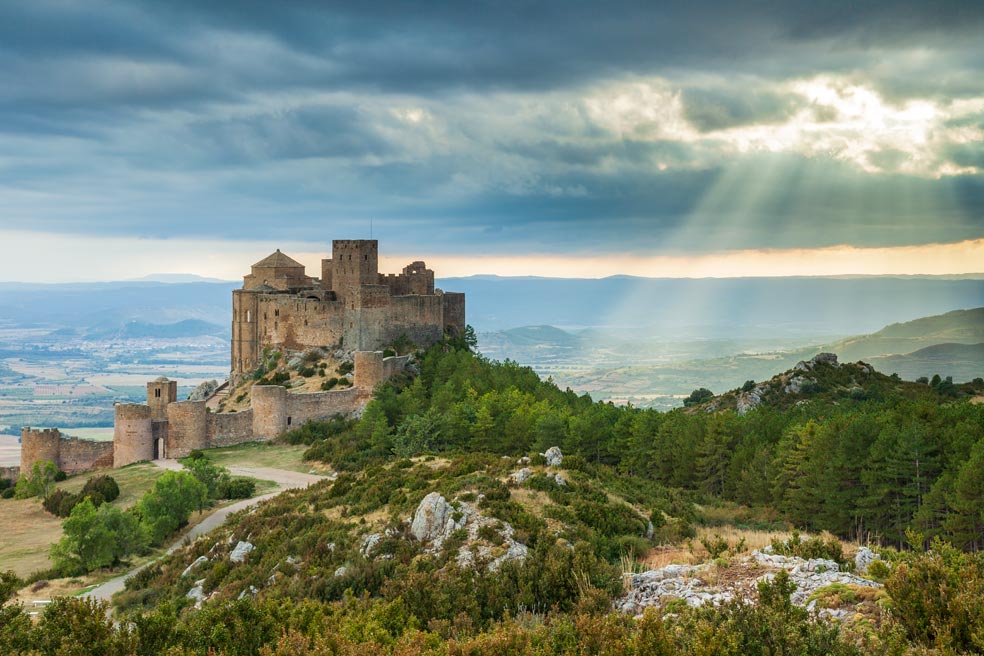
(823, 378)
(957, 327)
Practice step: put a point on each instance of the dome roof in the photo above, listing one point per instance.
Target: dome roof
(278, 260)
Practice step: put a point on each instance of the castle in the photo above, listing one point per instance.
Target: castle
(352, 307)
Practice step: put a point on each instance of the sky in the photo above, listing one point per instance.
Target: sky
(571, 138)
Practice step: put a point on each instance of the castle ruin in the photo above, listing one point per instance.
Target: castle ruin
(352, 307)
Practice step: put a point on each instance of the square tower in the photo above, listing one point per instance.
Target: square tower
(161, 393)
(354, 262)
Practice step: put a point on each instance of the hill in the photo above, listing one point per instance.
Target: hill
(957, 327)
(826, 380)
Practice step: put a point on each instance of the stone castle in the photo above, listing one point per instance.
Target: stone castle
(352, 308)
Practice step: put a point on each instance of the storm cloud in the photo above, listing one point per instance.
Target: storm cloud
(496, 126)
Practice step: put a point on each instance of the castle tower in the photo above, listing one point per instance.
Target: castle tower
(133, 434)
(160, 393)
(354, 262)
(187, 428)
(39, 445)
(269, 411)
(368, 370)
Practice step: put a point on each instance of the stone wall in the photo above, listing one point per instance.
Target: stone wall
(229, 428)
(10, 473)
(187, 428)
(133, 434)
(77, 455)
(38, 445)
(70, 454)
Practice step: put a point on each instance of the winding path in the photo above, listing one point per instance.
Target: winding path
(285, 479)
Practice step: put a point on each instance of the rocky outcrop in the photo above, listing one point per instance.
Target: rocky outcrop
(238, 554)
(863, 559)
(554, 456)
(204, 391)
(818, 359)
(432, 521)
(198, 561)
(522, 475)
(690, 583)
(436, 519)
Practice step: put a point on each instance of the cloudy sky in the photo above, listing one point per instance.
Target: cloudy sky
(552, 138)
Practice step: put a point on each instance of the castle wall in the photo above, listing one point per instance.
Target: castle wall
(296, 323)
(245, 345)
(10, 473)
(393, 365)
(368, 370)
(354, 262)
(159, 394)
(228, 428)
(187, 428)
(453, 311)
(39, 445)
(76, 455)
(133, 434)
(322, 405)
(269, 404)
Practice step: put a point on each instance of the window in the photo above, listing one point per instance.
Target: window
(247, 316)
(157, 393)
(288, 421)
(276, 313)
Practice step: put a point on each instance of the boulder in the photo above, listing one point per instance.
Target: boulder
(863, 558)
(238, 554)
(198, 561)
(341, 571)
(204, 391)
(369, 544)
(554, 456)
(430, 520)
(522, 475)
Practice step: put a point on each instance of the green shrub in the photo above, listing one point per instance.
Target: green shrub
(346, 367)
(237, 487)
(329, 384)
(828, 548)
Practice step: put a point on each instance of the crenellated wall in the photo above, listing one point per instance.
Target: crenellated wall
(70, 454)
(138, 435)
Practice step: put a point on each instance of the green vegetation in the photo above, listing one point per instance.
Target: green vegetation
(218, 482)
(98, 490)
(39, 483)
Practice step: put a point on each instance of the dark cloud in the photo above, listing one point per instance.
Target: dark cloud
(464, 125)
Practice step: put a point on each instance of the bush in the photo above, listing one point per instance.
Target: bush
(104, 486)
(329, 384)
(60, 476)
(8, 493)
(237, 487)
(698, 396)
(827, 547)
(307, 372)
(346, 367)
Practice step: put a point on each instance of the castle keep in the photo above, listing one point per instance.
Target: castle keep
(352, 306)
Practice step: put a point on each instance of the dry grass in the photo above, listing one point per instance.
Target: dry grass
(977, 399)
(263, 454)
(753, 539)
(28, 532)
(134, 480)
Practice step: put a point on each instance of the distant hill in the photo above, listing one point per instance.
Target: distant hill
(142, 329)
(957, 327)
(963, 362)
(824, 378)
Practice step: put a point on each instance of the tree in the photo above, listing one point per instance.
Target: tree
(39, 483)
(697, 397)
(167, 506)
(965, 523)
(88, 542)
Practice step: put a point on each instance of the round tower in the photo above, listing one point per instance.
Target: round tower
(39, 445)
(133, 434)
(269, 411)
(160, 393)
(187, 428)
(368, 370)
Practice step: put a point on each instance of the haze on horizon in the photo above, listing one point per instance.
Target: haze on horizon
(574, 140)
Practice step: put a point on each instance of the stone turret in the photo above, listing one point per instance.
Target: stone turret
(133, 434)
(39, 445)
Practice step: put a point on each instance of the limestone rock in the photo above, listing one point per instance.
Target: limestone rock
(197, 593)
(204, 391)
(430, 520)
(863, 558)
(251, 591)
(341, 571)
(369, 544)
(522, 475)
(554, 456)
(559, 480)
(238, 554)
(198, 561)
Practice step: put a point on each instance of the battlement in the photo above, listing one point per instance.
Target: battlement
(352, 306)
(70, 454)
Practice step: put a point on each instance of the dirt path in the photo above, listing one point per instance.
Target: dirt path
(286, 480)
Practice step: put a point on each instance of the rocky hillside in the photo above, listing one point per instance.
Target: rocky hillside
(824, 378)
